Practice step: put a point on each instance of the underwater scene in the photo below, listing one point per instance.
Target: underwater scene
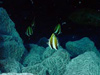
(49, 37)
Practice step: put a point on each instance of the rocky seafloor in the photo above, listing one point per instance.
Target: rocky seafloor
(80, 57)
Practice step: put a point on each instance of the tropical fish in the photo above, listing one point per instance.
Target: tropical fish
(57, 29)
(53, 42)
(29, 31)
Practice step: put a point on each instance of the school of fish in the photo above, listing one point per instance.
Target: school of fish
(52, 41)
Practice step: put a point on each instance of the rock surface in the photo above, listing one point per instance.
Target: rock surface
(31, 59)
(84, 64)
(52, 64)
(7, 26)
(80, 46)
(11, 45)
(16, 74)
(47, 53)
(56, 63)
(38, 49)
(10, 65)
(37, 69)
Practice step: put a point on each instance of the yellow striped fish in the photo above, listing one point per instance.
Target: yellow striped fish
(53, 42)
(29, 31)
(57, 29)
